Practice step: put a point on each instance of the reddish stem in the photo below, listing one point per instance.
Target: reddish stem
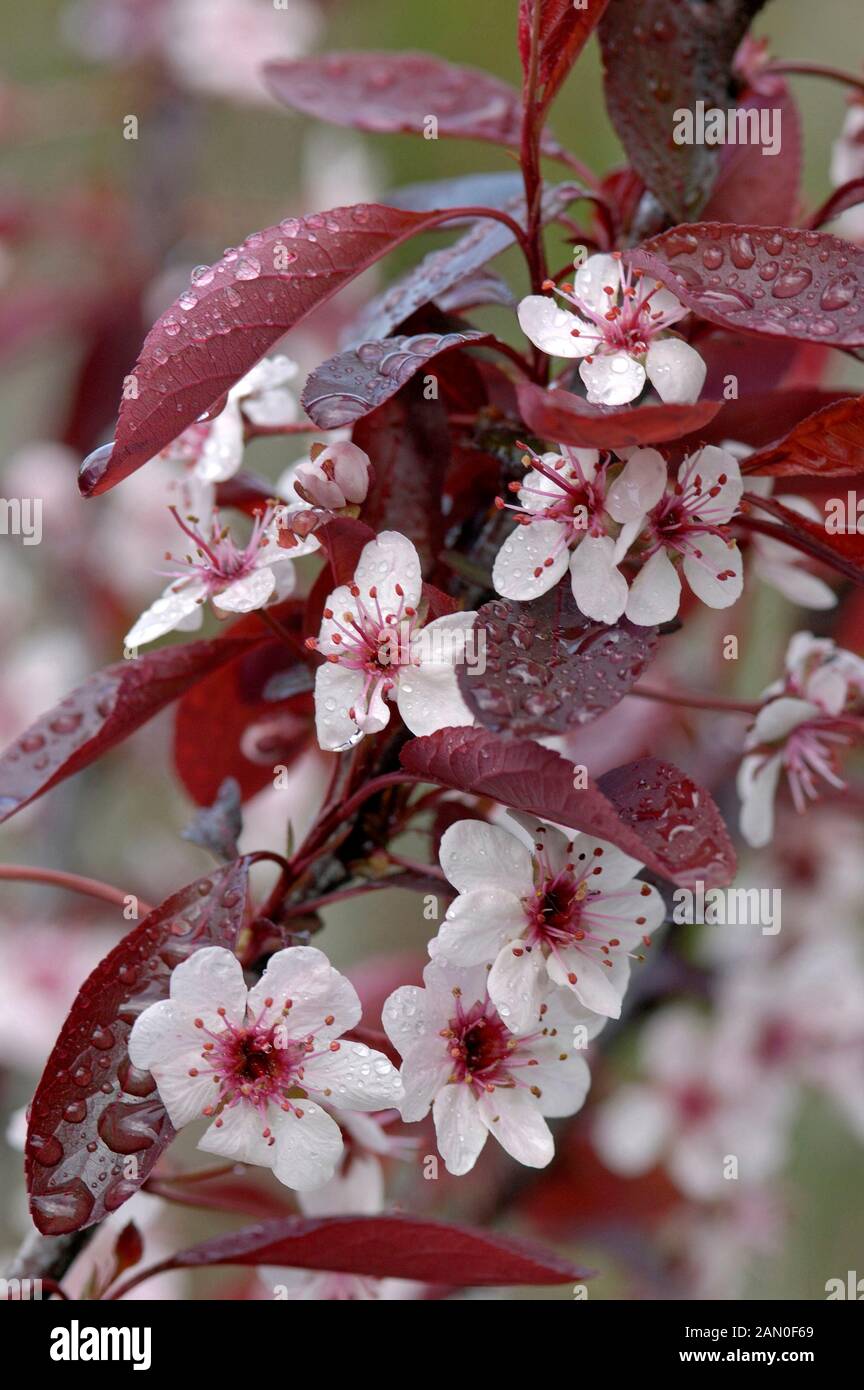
(848, 79)
(91, 887)
(691, 699)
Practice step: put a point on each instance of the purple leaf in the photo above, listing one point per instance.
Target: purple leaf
(649, 809)
(778, 281)
(567, 419)
(107, 708)
(239, 308)
(829, 443)
(564, 29)
(351, 384)
(548, 668)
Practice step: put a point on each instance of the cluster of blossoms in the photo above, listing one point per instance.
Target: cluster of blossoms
(531, 961)
(809, 716)
(619, 330)
(590, 515)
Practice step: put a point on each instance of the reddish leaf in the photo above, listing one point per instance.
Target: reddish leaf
(385, 1247)
(440, 270)
(848, 195)
(779, 281)
(234, 1192)
(107, 708)
(353, 383)
(408, 440)
(843, 551)
(193, 355)
(830, 443)
(567, 419)
(548, 667)
(660, 57)
(659, 815)
(753, 186)
(564, 31)
(762, 418)
(390, 92)
(97, 1125)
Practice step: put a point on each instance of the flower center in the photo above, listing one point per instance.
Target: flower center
(483, 1051)
(217, 559)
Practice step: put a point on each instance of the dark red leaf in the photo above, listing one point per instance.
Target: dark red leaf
(353, 383)
(567, 419)
(97, 1125)
(440, 270)
(409, 443)
(564, 30)
(107, 708)
(234, 1192)
(385, 1247)
(778, 281)
(829, 443)
(193, 355)
(390, 92)
(549, 668)
(843, 551)
(752, 186)
(762, 418)
(662, 56)
(662, 819)
(226, 726)
(848, 195)
(342, 540)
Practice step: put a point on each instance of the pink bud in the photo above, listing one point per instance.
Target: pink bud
(338, 475)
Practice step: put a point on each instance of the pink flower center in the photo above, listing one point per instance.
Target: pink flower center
(629, 319)
(572, 501)
(484, 1053)
(374, 640)
(218, 561)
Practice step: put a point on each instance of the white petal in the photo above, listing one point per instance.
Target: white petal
(404, 1016)
(222, 453)
(355, 1077)
(702, 573)
(307, 1148)
(240, 1135)
(638, 487)
(476, 927)
(715, 468)
(354, 1190)
(476, 855)
(612, 378)
(175, 606)
(600, 988)
(385, 562)
(517, 982)
(629, 913)
(525, 551)
(561, 1076)
(516, 1122)
(610, 867)
(337, 690)
(599, 587)
(796, 583)
(210, 979)
(248, 593)
(655, 592)
(591, 281)
(459, 1128)
(675, 370)
(778, 718)
(429, 699)
(426, 1067)
(757, 787)
(304, 975)
(551, 328)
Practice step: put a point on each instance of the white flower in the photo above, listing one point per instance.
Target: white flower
(567, 914)
(263, 1063)
(237, 579)
(214, 448)
(620, 331)
(460, 1058)
(809, 716)
(775, 563)
(378, 649)
(689, 1115)
(689, 522)
(336, 475)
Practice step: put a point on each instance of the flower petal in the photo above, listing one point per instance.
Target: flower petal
(612, 378)
(715, 468)
(459, 1128)
(655, 592)
(404, 1016)
(605, 865)
(474, 854)
(248, 593)
(516, 1122)
(594, 278)
(426, 1067)
(354, 1076)
(521, 570)
(638, 487)
(562, 1077)
(240, 1134)
(307, 1148)
(516, 986)
(385, 562)
(631, 1129)
(703, 572)
(337, 690)
(177, 604)
(757, 787)
(599, 988)
(210, 979)
(551, 328)
(599, 587)
(676, 371)
(477, 925)
(317, 992)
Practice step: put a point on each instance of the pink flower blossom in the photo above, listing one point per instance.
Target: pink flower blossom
(620, 330)
(263, 1064)
(460, 1058)
(564, 913)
